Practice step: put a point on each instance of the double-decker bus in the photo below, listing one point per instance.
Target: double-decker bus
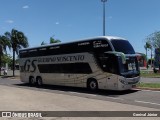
(103, 62)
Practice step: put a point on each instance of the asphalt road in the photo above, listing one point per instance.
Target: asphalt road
(62, 106)
(144, 98)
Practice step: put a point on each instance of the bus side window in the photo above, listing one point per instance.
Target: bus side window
(112, 65)
(109, 64)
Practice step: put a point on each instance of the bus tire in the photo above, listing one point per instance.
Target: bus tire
(39, 81)
(92, 84)
(31, 81)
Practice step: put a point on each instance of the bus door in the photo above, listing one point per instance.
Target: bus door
(109, 64)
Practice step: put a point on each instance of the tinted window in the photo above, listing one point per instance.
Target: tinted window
(98, 46)
(101, 46)
(123, 46)
(59, 49)
(130, 69)
(78, 68)
(109, 63)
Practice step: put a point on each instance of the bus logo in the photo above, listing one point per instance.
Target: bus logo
(98, 44)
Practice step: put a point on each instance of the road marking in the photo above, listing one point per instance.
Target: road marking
(74, 93)
(92, 94)
(146, 102)
(151, 91)
(148, 90)
(96, 96)
(115, 98)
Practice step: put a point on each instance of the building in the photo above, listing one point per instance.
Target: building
(142, 60)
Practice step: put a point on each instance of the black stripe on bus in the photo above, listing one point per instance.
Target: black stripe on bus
(79, 68)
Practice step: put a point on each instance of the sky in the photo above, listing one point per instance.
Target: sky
(70, 20)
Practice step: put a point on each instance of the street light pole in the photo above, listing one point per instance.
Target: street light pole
(0, 58)
(104, 20)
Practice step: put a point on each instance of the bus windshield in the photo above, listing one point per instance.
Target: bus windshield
(130, 68)
(112, 63)
(122, 46)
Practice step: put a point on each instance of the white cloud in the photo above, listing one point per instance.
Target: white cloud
(57, 23)
(25, 7)
(9, 21)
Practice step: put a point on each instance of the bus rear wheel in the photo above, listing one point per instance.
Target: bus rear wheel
(39, 81)
(92, 84)
(31, 81)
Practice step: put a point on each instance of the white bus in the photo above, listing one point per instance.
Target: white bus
(97, 63)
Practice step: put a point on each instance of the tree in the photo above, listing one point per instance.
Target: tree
(154, 41)
(4, 43)
(6, 58)
(43, 43)
(17, 40)
(52, 40)
(148, 46)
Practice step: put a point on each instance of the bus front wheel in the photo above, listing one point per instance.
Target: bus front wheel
(92, 84)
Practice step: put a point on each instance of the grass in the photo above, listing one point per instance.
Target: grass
(150, 74)
(149, 85)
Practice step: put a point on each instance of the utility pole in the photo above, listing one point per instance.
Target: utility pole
(0, 58)
(104, 16)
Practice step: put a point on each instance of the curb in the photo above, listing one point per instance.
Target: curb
(10, 77)
(145, 88)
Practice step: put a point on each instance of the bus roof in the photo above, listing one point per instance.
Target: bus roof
(80, 40)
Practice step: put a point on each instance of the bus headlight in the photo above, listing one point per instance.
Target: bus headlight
(123, 81)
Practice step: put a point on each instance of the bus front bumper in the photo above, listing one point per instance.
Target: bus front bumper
(128, 83)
